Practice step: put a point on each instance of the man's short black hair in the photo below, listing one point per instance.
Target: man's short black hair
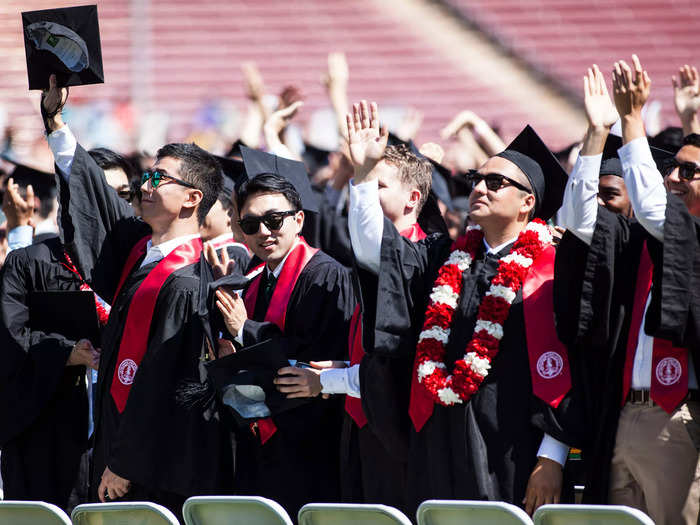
(108, 159)
(268, 183)
(693, 139)
(199, 168)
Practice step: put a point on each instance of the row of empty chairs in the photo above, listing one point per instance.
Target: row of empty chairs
(243, 510)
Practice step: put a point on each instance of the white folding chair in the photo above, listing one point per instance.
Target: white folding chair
(349, 514)
(234, 510)
(590, 515)
(31, 513)
(448, 512)
(120, 513)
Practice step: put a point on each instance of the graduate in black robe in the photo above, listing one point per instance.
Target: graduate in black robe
(291, 457)
(595, 285)
(151, 449)
(487, 447)
(43, 395)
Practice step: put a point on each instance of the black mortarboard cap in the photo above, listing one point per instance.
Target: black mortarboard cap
(315, 158)
(43, 183)
(440, 185)
(234, 174)
(540, 166)
(611, 158)
(64, 42)
(235, 150)
(668, 139)
(244, 380)
(257, 162)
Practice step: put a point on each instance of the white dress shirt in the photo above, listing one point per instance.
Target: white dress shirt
(162, 250)
(366, 224)
(648, 196)
(63, 144)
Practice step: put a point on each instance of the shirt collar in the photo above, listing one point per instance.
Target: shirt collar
(46, 226)
(277, 271)
(162, 250)
(498, 248)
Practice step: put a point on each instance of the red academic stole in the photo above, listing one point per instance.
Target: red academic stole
(549, 362)
(353, 405)
(229, 241)
(669, 365)
(296, 261)
(138, 319)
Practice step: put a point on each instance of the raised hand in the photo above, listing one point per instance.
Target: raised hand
(600, 111)
(366, 140)
(686, 91)
(463, 119)
(52, 102)
(275, 124)
(220, 267)
(686, 97)
(18, 211)
(255, 87)
(631, 87)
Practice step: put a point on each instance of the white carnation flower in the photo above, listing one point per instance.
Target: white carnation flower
(523, 261)
(494, 329)
(448, 396)
(479, 365)
(444, 294)
(542, 231)
(428, 367)
(437, 333)
(462, 259)
(503, 292)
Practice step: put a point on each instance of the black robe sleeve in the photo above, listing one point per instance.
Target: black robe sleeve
(674, 312)
(96, 225)
(33, 361)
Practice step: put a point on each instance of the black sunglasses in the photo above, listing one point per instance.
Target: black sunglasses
(272, 221)
(494, 181)
(157, 176)
(686, 170)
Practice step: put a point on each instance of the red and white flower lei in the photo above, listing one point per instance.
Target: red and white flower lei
(469, 372)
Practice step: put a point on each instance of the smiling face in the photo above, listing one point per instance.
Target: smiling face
(271, 245)
(161, 206)
(686, 190)
(504, 206)
(612, 193)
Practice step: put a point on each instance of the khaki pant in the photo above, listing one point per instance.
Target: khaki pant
(656, 462)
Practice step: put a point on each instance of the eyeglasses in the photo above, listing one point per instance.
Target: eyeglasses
(272, 221)
(686, 170)
(494, 181)
(157, 176)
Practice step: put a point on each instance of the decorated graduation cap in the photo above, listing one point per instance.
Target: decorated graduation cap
(546, 176)
(64, 42)
(611, 164)
(258, 162)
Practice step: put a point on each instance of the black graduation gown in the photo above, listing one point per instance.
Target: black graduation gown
(487, 448)
(593, 298)
(43, 403)
(299, 464)
(165, 450)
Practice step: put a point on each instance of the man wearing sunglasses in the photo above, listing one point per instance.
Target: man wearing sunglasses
(151, 270)
(502, 443)
(301, 301)
(636, 313)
